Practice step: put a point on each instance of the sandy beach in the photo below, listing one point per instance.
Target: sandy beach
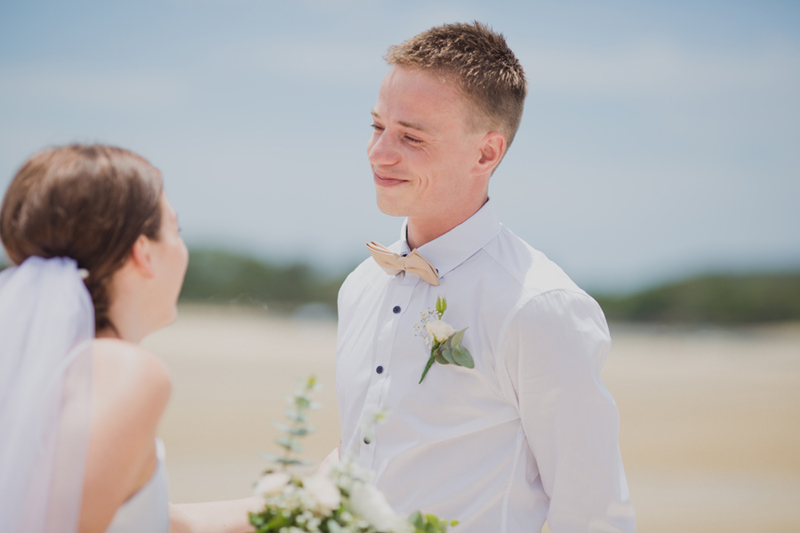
(710, 419)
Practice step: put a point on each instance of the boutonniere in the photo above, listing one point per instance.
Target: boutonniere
(442, 339)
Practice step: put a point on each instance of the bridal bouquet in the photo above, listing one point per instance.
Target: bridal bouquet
(339, 500)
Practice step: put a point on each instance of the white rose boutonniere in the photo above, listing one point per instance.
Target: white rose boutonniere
(440, 330)
(443, 339)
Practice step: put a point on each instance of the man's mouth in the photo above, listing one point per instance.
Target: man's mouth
(386, 181)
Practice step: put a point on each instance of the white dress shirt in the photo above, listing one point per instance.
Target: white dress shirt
(529, 434)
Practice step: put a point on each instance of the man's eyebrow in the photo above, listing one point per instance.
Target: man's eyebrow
(412, 125)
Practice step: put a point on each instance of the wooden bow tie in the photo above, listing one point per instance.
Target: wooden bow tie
(393, 263)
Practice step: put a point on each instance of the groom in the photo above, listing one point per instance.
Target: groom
(527, 432)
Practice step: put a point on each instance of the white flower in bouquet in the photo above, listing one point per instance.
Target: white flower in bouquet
(324, 492)
(369, 503)
(440, 330)
(337, 499)
(271, 484)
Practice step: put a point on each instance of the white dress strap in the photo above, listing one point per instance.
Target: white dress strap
(148, 509)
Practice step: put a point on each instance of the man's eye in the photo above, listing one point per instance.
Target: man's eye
(376, 127)
(413, 140)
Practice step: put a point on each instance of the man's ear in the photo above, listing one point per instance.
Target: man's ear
(141, 257)
(492, 148)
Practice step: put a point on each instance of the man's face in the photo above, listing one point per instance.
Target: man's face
(421, 151)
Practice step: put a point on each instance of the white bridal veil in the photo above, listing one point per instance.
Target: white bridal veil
(46, 329)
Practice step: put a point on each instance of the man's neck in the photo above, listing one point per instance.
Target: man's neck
(422, 230)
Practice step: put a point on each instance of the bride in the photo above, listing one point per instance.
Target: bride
(100, 263)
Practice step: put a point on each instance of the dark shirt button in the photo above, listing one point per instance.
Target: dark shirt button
(396, 309)
(366, 440)
(379, 370)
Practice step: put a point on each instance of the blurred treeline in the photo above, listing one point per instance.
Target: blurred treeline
(712, 299)
(220, 277)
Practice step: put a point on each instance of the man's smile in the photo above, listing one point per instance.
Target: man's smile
(386, 181)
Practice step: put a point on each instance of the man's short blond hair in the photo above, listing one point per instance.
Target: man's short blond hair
(480, 61)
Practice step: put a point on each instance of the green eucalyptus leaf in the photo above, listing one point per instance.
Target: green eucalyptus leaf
(272, 458)
(289, 443)
(455, 340)
(447, 353)
(416, 520)
(463, 358)
(283, 427)
(441, 360)
(301, 401)
(290, 462)
(296, 416)
(301, 431)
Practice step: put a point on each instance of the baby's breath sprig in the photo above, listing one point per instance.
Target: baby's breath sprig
(421, 327)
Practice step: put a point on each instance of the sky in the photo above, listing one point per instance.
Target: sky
(659, 139)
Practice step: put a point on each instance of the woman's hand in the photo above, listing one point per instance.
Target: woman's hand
(213, 517)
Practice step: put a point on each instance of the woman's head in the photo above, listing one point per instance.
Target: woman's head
(89, 203)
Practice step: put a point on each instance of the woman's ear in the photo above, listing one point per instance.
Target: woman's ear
(492, 148)
(142, 257)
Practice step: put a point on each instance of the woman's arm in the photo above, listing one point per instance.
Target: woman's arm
(213, 517)
(225, 516)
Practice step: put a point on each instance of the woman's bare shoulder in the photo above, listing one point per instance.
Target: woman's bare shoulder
(130, 393)
(127, 372)
(131, 387)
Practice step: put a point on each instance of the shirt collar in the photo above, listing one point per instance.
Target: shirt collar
(460, 243)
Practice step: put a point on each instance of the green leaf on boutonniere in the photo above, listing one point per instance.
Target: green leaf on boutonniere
(462, 357)
(455, 340)
(447, 353)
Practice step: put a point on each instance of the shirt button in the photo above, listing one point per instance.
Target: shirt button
(379, 370)
(396, 309)
(366, 440)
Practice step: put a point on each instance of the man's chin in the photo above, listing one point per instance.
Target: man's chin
(390, 208)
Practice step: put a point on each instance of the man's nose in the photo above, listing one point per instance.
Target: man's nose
(381, 150)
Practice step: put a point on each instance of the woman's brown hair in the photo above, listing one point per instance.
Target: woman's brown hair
(89, 203)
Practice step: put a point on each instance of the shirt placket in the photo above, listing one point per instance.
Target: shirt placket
(396, 301)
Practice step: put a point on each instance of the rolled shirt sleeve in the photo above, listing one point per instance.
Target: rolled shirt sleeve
(554, 348)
